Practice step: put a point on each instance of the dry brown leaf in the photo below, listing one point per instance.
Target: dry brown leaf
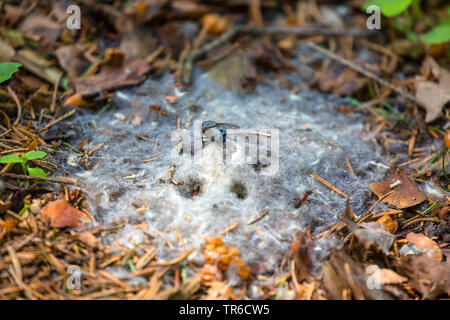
(430, 69)
(433, 95)
(235, 71)
(407, 193)
(428, 247)
(61, 214)
(302, 252)
(12, 14)
(41, 26)
(341, 80)
(6, 51)
(427, 276)
(70, 59)
(368, 233)
(388, 223)
(89, 239)
(111, 78)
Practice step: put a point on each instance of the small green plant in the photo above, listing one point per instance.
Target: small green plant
(23, 159)
(7, 69)
(439, 34)
(390, 8)
(410, 9)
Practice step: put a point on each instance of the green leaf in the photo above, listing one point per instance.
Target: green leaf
(37, 172)
(32, 155)
(389, 8)
(7, 69)
(439, 34)
(10, 159)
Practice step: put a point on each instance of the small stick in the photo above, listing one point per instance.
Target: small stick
(230, 228)
(19, 106)
(67, 115)
(24, 177)
(380, 199)
(259, 218)
(173, 261)
(349, 166)
(411, 144)
(329, 185)
(407, 224)
(55, 92)
(153, 159)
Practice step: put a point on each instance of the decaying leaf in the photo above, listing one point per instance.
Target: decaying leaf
(407, 193)
(89, 239)
(43, 27)
(111, 78)
(70, 59)
(428, 247)
(61, 214)
(342, 274)
(235, 71)
(341, 80)
(6, 51)
(427, 276)
(433, 95)
(369, 233)
(302, 252)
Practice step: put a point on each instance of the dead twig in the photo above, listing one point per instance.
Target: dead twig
(329, 185)
(24, 177)
(153, 159)
(259, 218)
(65, 116)
(18, 104)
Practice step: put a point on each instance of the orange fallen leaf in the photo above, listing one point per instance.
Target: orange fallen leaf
(215, 23)
(75, 100)
(388, 223)
(426, 245)
(61, 214)
(447, 139)
(6, 227)
(407, 193)
(171, 99)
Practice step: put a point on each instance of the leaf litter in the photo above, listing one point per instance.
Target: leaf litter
(57, 64)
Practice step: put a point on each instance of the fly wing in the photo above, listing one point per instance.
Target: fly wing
(227, 125)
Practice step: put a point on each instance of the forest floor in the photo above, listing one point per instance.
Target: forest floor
(397, 76)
